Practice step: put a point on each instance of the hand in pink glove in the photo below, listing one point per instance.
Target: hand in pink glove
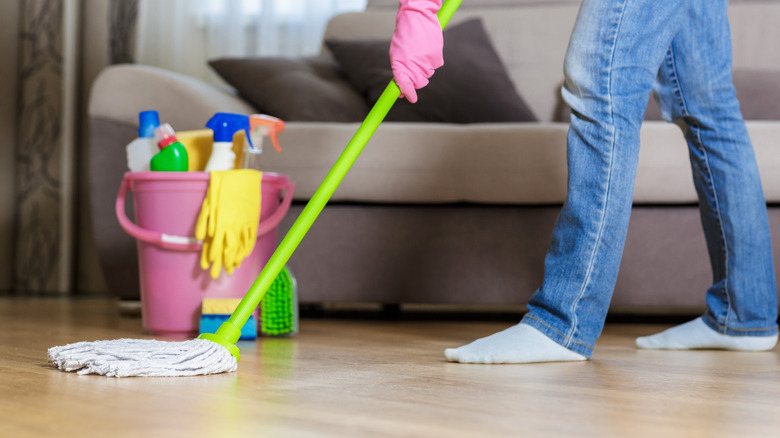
(416, 47)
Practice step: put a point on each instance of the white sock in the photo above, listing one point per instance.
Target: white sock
(698, 335)
(520, 343)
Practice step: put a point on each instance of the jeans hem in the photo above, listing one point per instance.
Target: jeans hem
(710, 321)
(558, 337)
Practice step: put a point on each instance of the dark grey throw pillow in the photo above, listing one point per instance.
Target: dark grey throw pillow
(471, 87)
(294, 89)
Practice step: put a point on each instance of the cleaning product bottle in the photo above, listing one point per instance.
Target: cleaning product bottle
(141, 150)
(225, 126)
(261, 125)
(173, 155)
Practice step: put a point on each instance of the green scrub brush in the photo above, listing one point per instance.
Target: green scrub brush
(279, 308)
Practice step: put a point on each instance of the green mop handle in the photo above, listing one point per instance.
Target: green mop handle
(317, 202)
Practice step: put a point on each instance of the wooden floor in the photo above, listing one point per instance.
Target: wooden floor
(357, 378)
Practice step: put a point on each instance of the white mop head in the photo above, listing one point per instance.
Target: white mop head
(144, 357)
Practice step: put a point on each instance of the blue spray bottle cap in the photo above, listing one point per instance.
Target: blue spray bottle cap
(148, 121)
(225, 126)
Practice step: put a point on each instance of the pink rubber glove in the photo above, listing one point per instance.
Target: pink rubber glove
(416, 47)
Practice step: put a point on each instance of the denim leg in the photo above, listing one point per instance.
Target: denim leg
(611, 64)
(703, 102)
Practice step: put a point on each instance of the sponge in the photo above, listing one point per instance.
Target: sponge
(215, 311)
(279, 307)
(219, 306)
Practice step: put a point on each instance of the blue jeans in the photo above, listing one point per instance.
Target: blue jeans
(619, 50)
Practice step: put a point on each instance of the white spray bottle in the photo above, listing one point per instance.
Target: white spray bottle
(225, 126)
(141, 150)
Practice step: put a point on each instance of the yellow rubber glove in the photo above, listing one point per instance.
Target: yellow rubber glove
(228, 219)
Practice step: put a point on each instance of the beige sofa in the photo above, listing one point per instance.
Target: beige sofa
(446, 213)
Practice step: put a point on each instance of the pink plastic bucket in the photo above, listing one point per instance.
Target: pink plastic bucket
(173, 284)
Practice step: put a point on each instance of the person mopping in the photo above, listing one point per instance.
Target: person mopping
(682, 49)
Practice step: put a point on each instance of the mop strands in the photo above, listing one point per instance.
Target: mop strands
(144, 357)
(126, 357)
(151, 358)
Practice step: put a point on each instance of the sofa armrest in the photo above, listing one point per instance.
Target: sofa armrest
(120, 92)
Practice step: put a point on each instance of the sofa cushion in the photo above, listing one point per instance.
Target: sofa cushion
(471, 87)
(306, 89)
(500, 163)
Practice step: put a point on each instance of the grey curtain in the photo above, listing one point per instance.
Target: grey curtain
(124, 16)
(38, 234)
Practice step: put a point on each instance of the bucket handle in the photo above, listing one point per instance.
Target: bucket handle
(185, 243)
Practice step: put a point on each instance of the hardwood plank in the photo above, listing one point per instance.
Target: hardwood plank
(357, 378)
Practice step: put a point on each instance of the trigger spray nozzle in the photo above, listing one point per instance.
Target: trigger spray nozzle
(261, 125)
(225, 125)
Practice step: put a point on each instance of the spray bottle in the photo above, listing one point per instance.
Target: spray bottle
(225, 126)
(261, 125)
(173, 155)
(141, 150)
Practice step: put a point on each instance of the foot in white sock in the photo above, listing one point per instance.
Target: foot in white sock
(698, 335)
(517, 344)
